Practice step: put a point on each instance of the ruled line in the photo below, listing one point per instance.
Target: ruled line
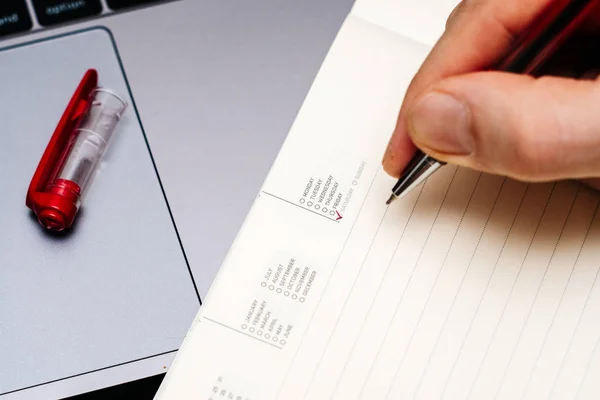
(562, 296)
(587, 368)
(400, 300)
(418, 324)
(341, 313)
(442, 329)
(511, 291)
(464, 341)
(383, 279)
(537, 292)
(577, 326)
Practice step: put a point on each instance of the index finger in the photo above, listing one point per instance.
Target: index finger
(480, 32)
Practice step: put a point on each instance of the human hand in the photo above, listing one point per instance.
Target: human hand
(530, 129)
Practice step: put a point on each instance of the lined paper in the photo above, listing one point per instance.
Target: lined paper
(474, 286)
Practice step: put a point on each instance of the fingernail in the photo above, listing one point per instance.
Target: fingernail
(441, 123)
(390, 153)
(389, 160)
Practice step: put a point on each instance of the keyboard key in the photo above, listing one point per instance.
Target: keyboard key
(51, 12)
(14, 17)
(119, 4)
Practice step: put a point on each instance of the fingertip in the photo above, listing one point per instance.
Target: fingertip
(390, 166)
(388, 163)
(398, 153)
(453, 15)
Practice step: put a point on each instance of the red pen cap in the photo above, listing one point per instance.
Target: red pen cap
(73, 153)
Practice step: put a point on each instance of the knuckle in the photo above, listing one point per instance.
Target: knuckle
(528, 157)
(463, 7)
(535, 151)
(452, 17)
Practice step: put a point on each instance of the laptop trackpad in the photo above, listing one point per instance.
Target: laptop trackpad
(117, 287)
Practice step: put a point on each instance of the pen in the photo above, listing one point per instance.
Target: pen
(535, 45)
(74, 153)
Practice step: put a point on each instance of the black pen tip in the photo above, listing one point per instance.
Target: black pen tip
(392, 198)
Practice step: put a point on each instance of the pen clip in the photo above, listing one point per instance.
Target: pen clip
(38, 198)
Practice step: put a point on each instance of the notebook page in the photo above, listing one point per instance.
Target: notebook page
(423, 21)
(471, 287)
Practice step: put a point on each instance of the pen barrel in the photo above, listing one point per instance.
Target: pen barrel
(57, 206)
(547, 32)
(88, 145)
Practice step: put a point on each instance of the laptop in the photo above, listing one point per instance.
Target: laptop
(212, 88)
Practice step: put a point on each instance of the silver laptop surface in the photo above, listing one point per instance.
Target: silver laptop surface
(212, 89)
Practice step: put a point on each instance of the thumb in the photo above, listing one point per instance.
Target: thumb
(514, 125)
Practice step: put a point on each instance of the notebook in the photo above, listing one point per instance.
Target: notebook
(472, 287)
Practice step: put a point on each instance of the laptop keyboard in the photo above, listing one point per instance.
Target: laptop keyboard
(18, 16)
(120, 4)
(14, 17)
(52, 12)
